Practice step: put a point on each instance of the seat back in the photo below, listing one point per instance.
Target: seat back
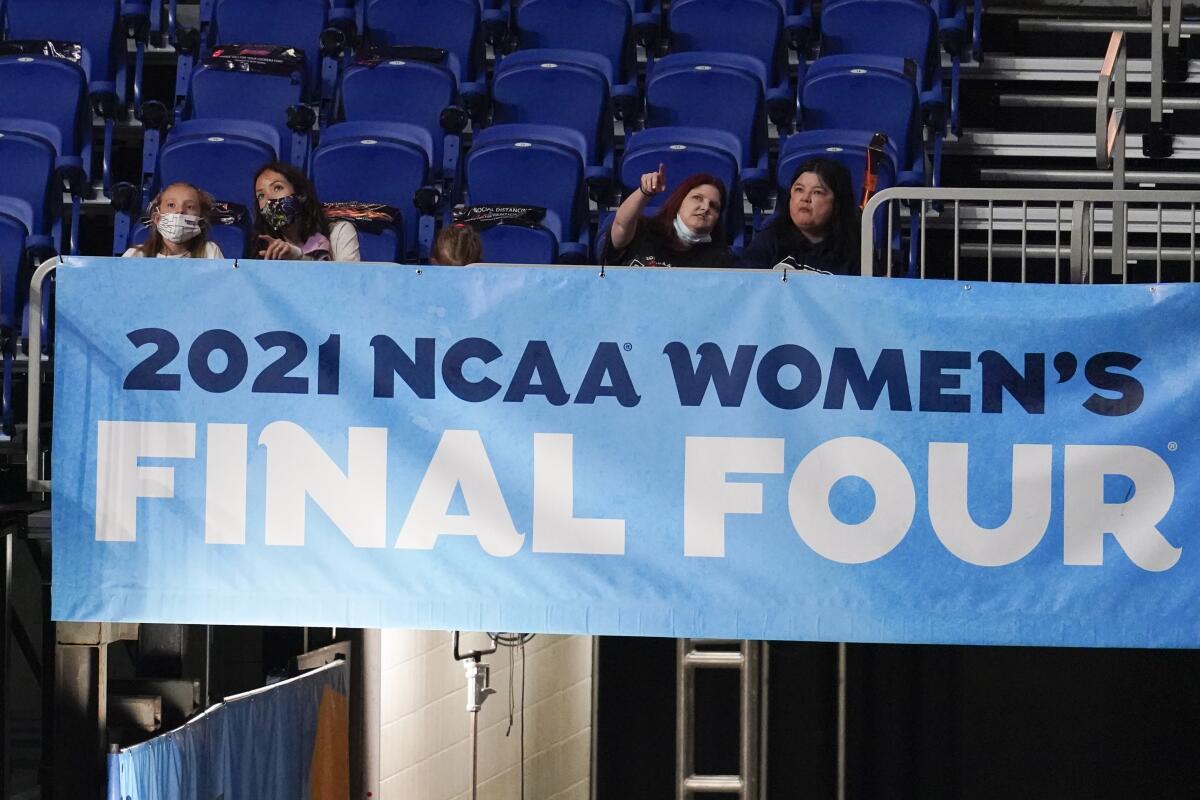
(453, 25)
(865, 93)
(95, 24)
(12, 260)
(49, 91)
(219, 156)
(556, 87)
(376, 162)
(218, 93)
(713, 90)
(292, 23)
(750, 27)
(26, 174)
(516, 244)
(512, 165)
(902, 28)
(597, 26)
(373, 94)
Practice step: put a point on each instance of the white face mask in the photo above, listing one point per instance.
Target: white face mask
(178, 228)
(687, 235)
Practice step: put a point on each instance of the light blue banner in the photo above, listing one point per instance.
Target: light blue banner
(286, 741)
(647, 452)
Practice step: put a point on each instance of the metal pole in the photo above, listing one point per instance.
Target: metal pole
(1156, 62)
(841, 721)
(474, 755)
(6, 670)
(750, 720)
(683, 719)
(1120, 224)
(371, 724)
(33, 474)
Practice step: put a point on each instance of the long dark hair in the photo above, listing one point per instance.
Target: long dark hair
(154, 242)
(842, 240)
(663, 223)
(312, 214)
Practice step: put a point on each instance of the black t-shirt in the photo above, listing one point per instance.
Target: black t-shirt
(768, 248)
(649, 249)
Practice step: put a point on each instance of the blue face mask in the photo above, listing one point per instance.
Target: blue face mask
(689, 236)
(281, 212)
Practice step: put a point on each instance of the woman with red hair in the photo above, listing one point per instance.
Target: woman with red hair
(686, 231)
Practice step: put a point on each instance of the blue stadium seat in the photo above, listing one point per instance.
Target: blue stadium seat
(797, 21)
(597, 26)
(453, 25)
(29, 164)
(560, 87)
(684, 152)
(372, 91)
(47, 96)
(25, 223)
(647, 21)
(220, 93)
(379, 162)
(291, 23)
(13, 231)
(872, 93)
(534, 165)
(715, 90)
(902, 28)
(752, 28)
(96, 26)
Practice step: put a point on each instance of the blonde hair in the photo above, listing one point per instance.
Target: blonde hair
(457, 245)
(154, 244)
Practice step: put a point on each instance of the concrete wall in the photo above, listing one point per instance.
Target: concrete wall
(424, 750)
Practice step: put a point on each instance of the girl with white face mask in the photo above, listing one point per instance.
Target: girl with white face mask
(686, 231)
(178, 225)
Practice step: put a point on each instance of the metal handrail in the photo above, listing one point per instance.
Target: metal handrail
(1110, 126)
(1077, 202)
(33, 431)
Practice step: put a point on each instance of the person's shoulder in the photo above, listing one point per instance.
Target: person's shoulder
(133, 252)
(342, 228)
(212, 250)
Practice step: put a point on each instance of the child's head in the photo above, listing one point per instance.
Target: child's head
(457, 245)
(178, 221)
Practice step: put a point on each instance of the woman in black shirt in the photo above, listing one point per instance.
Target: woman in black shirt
(686, 231)
(818, 226)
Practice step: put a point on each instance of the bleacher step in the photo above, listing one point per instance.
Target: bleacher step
(1054, 145)
(1007, 67)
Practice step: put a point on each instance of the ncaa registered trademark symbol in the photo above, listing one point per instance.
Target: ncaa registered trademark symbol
(1172, 446)
(627, 347)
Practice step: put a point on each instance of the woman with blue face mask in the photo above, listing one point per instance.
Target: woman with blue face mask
(179, 226)
(686, 231)
(290, 224)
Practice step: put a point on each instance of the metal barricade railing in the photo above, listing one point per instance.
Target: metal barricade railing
(34, 475)
(1068, 226)
(1110, 128)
